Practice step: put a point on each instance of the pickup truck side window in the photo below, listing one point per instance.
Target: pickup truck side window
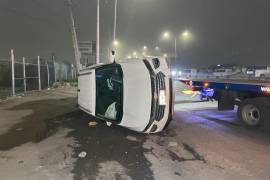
(109, 92)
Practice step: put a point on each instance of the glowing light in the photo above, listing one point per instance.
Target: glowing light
(265, 89)
(129, 56)
(166, 35)
(157, 48)
(173, 73)
(186, 35)
(165, 55)
(115, 43)
(134, 53)
(144, 47)
(206, 84)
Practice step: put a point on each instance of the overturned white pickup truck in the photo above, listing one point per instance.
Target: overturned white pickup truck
(135, 93)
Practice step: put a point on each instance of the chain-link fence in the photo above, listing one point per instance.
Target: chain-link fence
(20, 75)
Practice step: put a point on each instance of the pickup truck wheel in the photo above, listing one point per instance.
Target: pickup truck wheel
(253, 113)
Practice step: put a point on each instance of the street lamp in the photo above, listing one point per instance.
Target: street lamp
(186, 35)
(144, 48)
(115, 43)
(167, 35)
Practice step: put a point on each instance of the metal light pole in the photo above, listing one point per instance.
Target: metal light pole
(39, 80)
(13, 71)
(97, 43)
(115, 20)
(24, 76)
(175, 48)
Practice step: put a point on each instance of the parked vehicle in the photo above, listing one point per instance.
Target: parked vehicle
(136, 94)
(189, 73)
(251, 70)
(225, 72)
(262, 72)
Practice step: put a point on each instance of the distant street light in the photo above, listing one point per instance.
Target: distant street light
(186, 35)
(166, 35)
(165, 55)
(115, 43)
(134, 53)
(157, 48)
(144, 48)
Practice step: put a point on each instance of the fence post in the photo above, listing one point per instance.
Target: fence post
(54, 69)
(48, 73)
(13, 72)
(24, 75)
(39, 81)
(66, 72)
(72, 71)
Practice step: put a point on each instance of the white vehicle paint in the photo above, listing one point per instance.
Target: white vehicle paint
(189, 73)
(134, 93)
(262, 72)
(225, 72)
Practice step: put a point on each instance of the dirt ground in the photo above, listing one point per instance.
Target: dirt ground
(44, 136)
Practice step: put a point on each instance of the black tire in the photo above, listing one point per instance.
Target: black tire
(171, 110)
(254, 113)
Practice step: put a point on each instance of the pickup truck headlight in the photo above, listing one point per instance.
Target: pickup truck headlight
(156, 63)
(162, 98)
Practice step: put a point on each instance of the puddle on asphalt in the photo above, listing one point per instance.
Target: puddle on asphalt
(36, 126)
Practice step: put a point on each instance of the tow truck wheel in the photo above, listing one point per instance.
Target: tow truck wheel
(252, 113)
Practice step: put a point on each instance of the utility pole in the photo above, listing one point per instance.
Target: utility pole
(74, 36)
(97, 43)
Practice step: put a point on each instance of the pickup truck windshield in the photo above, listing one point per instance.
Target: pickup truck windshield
(109, 92)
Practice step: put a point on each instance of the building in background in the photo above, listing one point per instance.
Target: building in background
(88, 52)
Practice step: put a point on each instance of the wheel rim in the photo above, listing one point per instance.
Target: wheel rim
(251, 115)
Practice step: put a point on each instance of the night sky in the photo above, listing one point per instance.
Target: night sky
(225, 31)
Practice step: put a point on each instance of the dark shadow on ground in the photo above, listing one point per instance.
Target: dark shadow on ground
(35, 127)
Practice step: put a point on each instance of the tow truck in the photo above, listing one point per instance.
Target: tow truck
(252, 97)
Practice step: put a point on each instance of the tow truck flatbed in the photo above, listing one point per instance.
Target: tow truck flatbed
(231, 85)
(251, 96)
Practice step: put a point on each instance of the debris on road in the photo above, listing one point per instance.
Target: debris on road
(82, 154)
(92, 123)
(132, 138)
(172, 144)
(19, 129)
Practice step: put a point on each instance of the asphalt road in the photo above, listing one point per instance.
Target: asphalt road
(44, 136)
